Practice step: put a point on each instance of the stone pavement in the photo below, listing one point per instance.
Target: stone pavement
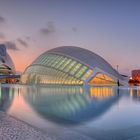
(14, 129)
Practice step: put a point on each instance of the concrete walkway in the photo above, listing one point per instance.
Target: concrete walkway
(14, 129)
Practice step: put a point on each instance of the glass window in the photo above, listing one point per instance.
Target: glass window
(62, 60)
(46, 58)
(38, 59)
(41, 60)
(70, 66)
(57, 61)
(87, 74)
(75, 68)
(67, 61)
(53, 71)
(51, 60)
(81, 71)
(102, 79)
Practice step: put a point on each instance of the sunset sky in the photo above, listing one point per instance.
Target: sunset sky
(110, 28)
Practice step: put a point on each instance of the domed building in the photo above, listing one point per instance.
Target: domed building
(69, 65)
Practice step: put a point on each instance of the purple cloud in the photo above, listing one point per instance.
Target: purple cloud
(11, 46)
(22, 42)
(2, 20)
(74, 29)
(48, 30)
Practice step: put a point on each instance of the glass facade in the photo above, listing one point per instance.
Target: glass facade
(56, 69)
(102, 79)
(50, 68)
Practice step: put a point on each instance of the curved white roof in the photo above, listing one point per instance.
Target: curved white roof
(87, 57)
(5, 58)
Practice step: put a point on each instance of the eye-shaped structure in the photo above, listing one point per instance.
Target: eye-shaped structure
(6, 63)
(69, 65)
(70, 104)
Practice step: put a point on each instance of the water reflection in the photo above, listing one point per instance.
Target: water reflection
(67, 105)
(135, 93)
(6, 97)
(101, 92)
(89, 110)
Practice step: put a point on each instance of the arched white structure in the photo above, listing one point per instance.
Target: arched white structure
(6, 63)
(71, 65)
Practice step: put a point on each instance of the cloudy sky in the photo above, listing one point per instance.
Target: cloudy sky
(110, 28)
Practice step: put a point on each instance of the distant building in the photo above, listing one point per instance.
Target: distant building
(6, 63)
(70, 65)
(7, 68)
(135, 79)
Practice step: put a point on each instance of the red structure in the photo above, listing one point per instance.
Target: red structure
(135, 77)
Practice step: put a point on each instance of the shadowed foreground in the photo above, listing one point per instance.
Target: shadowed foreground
(13, 129)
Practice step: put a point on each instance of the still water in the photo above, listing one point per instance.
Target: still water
(76, 112)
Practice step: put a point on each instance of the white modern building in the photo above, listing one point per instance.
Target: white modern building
(69, 65)
(6, 63)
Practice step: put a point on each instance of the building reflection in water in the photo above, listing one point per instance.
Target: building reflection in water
(102, 92)
(6, 97)
(71, 104)
(135, 93)
(65, 105)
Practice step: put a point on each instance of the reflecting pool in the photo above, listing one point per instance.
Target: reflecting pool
(76, 112)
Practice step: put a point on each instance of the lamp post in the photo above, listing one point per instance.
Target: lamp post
(118, 83)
